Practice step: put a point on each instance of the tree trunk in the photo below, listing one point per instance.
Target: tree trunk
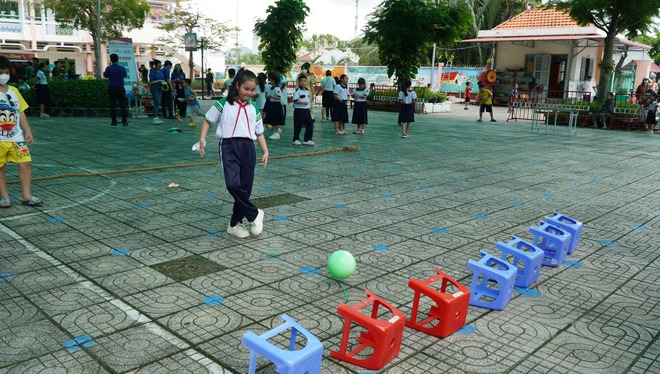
(191, 65)
(606, 65)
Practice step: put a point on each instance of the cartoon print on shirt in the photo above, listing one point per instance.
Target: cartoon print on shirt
(8, 113)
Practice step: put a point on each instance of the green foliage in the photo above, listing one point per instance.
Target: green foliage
(367, 52)
(321, 41)
(281, 33)
(78, 93)
(614, 17)
(404, 31)
(595, 106)
(117, 16)
(654, 41)
(213, 33)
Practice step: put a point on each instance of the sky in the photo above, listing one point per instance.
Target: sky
(336, 17)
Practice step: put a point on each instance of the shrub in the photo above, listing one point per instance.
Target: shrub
(79, 93)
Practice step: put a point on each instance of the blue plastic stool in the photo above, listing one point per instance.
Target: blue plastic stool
(303, 361)
(491, 268)
(569, 225)
(553, 241)
(529, 255)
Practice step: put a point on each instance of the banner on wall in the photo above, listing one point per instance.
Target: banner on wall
(123, 47)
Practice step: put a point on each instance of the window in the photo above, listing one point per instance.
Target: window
(9, 9)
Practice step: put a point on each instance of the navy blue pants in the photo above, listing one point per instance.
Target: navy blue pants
(238, 159)
(301, 117)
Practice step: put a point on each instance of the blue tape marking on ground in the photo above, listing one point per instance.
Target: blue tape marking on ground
(615, 173)
(596, 180)
(340, 206)
(309, 270)
(467, 329)
(91, 187)
(6, 276)
(313, 180)
(390, 168)
(516, 168)
(266, 187)
(386, 195)
(608, 243)
(56, 220)
(527, 292)
(425, 187)
(272, 255)
(459, 180)
(120, 252)
(355, 173)
(481, 215)
(380, 247)
(209, 196)
(635, 227)
(212, 233)
(548, 195)
(282, 218)
(439, 230)
(517, 204)
(214, 300)
(573, 264)
(141, 206)
(573, 187)
(154, 179)
(83, 341)
(657, 214)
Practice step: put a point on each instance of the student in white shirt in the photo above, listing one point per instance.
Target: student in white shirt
(360, 106)
(301, 115)
(274, 109)
(340, 110)
(407, 98)
(239, 125)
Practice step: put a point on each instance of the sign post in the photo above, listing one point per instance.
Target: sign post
(123, 47)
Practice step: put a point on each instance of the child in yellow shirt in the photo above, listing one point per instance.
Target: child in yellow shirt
(485, 97)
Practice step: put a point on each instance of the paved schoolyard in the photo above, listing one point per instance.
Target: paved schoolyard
(119, 273)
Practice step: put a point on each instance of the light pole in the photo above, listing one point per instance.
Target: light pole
(97, 42)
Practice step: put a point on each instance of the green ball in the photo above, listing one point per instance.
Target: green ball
(341, 264)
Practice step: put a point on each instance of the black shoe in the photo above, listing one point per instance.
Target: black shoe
(125, 123)
(113, 124)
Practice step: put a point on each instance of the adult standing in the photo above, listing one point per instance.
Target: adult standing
(43, 94)
(641, 89)
(57, 71)
(178, 77)
(144, 73)
(588, 89)
(311, 83)
(209, 82)
(156, 82)
(116, 91)
(327, 91)
(30, 71)
(166, 103)
(71, 73)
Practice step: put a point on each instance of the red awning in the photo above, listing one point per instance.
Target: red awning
(533, 38)
(13, 56)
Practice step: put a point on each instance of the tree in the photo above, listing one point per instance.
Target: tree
(613, 17)
(212, 33)
(321, 41)
(117, 16)
(653, 39)
(281, 33)
(367, 52)
(404, 31)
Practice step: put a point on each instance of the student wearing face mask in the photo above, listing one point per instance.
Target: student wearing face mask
(14, 135)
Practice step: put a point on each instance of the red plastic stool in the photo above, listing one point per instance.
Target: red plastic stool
(450, 309)
(383, 336)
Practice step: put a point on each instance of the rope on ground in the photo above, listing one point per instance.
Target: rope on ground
(347, 148)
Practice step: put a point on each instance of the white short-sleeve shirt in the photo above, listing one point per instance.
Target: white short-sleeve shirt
(238, 120)
(302, 95)
(360, 94)
(342, 92)
(407, 99)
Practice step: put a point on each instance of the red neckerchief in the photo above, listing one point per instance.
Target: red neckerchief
(241, 105)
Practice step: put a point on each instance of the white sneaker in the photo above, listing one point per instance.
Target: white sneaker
(157, 121)
(279, 130)
(297, 142)
(309, 142)
(44, 115)
(275, 136)
(258, 224)
(238, 231)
